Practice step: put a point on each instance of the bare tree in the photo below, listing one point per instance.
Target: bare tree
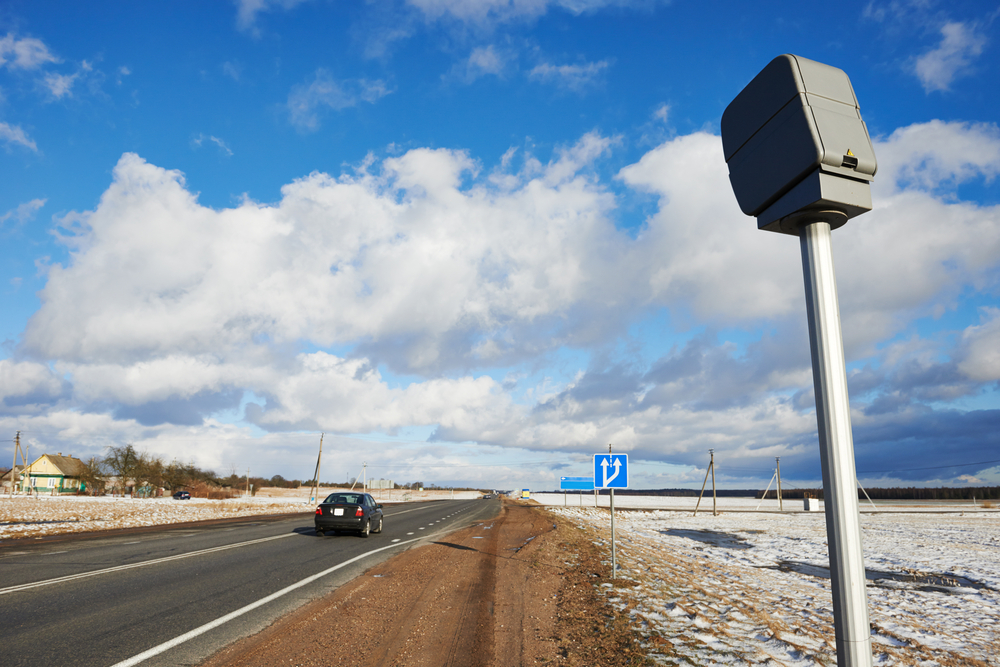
(149, 473)
(175, 476)
(94, 475)
(123, 462)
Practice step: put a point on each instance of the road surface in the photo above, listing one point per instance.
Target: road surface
(174, 596)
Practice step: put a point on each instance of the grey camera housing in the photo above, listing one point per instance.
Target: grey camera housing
(797, 148)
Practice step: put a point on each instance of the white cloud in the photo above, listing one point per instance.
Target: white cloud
(248, 10)
(937, 155)
(981, 343)
(699, 248)
(328, 392)
(24, 53)
(306, 101)
(23, 213)
(405, 254)
(232, 70)
(971, 479)
(482, 12)
(428, 267)
(960, 45)
(13, 134)
(482, 61)
(60, 85)
(27, 382)
(202, 138)
(479, 11)
(573, 77)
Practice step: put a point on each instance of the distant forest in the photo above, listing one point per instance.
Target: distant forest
(891, 493)
(903, 493)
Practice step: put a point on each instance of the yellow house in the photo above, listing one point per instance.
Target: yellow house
(53, 473)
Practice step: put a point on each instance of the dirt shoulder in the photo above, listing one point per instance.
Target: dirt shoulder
(518, 590)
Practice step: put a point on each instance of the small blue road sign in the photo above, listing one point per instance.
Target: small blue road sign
(576, 483)
(611, 471)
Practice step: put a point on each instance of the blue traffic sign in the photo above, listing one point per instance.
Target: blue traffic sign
(611, 471)
(576, 483)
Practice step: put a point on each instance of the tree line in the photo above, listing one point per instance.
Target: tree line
(127, 471)
(902, 493)
(124, 470)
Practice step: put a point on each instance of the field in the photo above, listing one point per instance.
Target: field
(752, 588)
(23, 517)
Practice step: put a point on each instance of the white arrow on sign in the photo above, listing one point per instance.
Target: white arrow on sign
(604, 464)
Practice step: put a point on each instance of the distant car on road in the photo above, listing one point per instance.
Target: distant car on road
(182, 495)
(353, 512)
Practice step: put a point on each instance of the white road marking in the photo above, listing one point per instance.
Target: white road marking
(176, 641)
(53, 553)
(119, 568)
(397, 539)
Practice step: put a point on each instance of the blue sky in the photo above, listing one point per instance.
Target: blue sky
(475, 242)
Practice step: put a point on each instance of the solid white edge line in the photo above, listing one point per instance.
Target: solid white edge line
(119, 568)
(176, 641)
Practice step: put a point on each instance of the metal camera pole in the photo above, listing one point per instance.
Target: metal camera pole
(836, 444)
(800, 161)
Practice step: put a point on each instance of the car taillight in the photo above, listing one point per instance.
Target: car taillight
(360, 512)
(319, 510)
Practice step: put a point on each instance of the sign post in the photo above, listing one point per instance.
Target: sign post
(611, 472)
(575, 484)
(800, 160)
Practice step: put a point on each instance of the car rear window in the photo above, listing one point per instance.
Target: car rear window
(343, 499)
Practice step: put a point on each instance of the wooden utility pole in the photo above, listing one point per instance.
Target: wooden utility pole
(319, 462)
(712, 466)
(17, 448)
(777, 471)
(711, 469)
(248, 482)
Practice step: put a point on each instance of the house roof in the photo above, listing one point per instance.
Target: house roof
(67, 465)
(6, 475)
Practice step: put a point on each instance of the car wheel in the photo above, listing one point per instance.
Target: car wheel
(379, 529)
(366, 529)
(319, 531)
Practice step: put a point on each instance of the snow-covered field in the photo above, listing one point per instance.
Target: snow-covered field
(22, 516)
(751, 588)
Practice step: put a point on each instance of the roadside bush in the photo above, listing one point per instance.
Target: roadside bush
(211, 491)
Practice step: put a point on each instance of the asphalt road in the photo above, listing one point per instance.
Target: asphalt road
(111, 599)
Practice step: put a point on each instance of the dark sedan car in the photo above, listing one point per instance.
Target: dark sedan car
(354, 512)
(182, 495)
